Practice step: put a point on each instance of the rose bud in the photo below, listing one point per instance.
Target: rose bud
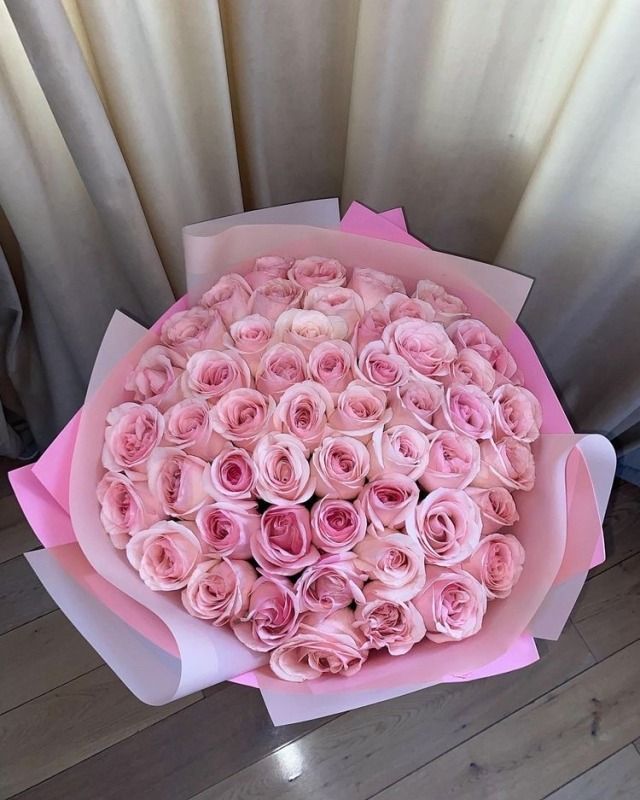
(196, 329)
(425, 346)
(165, 555)
(339, 467)
(210, 374)
(336, 525)
(230, 297)
(218, 590)
(497, 563)
(452, 604)
(283, 545)
(391, 624)
(272, 615)
(447, 307)
(317, 271)
(454, 461)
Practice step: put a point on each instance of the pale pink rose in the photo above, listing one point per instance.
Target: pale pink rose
(177, 480)
(371, 326)
(331, 364)
(336, 525)
(517, 413)
(165, 554)
(454, 461)
(306, 329)
(447, 307)
(507, 463)
(395, 565)
(400, 306)
(360, 409)
(340, 466)
(189, 425)
(133, 432)
(281, 366)
(227, 526)
(126, 507)
(283, 545)
(250, 337)
(447, 526)
(213, 373)
(415, 403)
(218, 590)
(452, 605)
(469, 367)
(424, 345)
(302, 411)
(380, 369)
(272, 616)
(373, 286)
(266, 268)
(390, 623)
(230, 297)
(283, 475)
(400, 449)
(336, 302)
(274, 297)
(497, 563)
(497, 507)
(473, 334)
(156, 378)
(243, 416)
(317, 271)
(467, 410)
(232, 475)
(389, 500)
(323, 645)
(331, 583)
(196, 329)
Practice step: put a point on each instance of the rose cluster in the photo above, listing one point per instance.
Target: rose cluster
(323, 463)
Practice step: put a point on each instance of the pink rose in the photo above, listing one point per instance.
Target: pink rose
(452, 605)
(336, 302)
(415, 403)
(336, 525)
(517, 413)
(424, 345)
(497, 563)
(196, 329)
(126, 507)
(447, 526)
(250, 337)
(243, 416)
(177, 481)
(266, 268)
(281, 366)
(331, 364)
(213, 373)
(506, 463)
(218, 590)
(133, 432)
(467, 410)
(469, 367)
(324, 644)
(165, 555)
(282, 470)
(380, 369)
(400, 449)
(232, 475)
(497, 507)
(272, 616)
(391, 624)
(303, 410)
(189, 426)
(371, 326)
(395, 565)
(227, 526)
(389, 501)
(373, 286)
(331, 583)
(360, 409)
(306, 329)
(339, 467)
(283, 545)
(454, 461)
(473, 334)
(274, 297)
(155, 379)
(317, 271)
(400, 306)
(230, 297)
(448, 307)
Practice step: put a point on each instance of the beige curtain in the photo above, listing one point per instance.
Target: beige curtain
(508, 129)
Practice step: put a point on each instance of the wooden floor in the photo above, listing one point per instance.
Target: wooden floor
(566, 728)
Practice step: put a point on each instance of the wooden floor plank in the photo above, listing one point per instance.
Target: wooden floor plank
(607, 613)
(360, 753)
(40, 656)
(10, 512)
(71, 723)
(22, 596)
(16, 540)
(615, 778)
(544, 745)
(621, 525)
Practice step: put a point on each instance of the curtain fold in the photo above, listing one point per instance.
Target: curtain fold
(508, 131)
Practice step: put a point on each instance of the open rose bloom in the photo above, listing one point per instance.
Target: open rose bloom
(335, 471)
